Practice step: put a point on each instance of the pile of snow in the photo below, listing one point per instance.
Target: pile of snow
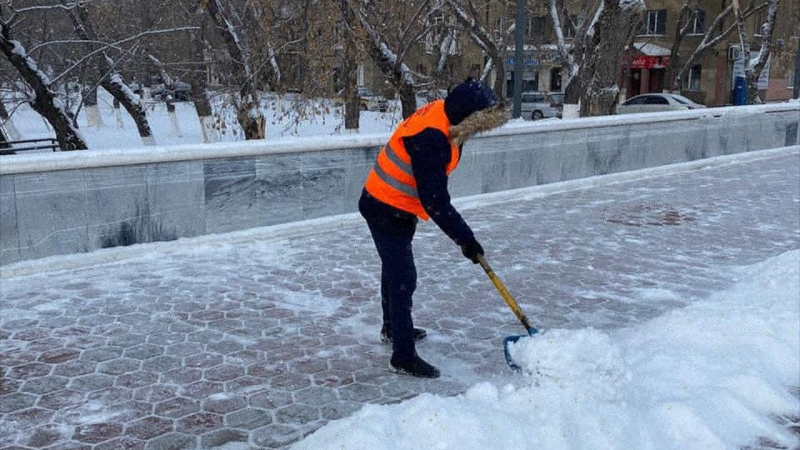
(710, 376)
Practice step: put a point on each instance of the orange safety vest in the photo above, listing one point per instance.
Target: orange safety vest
(391, 180)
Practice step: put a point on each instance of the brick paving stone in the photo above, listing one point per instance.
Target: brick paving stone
(44, 385)
(16, 401)
(248, 418)
(199, 423)
(177, 407)
(206, 346)
(173, 441)
(97, 432)
(149, 427)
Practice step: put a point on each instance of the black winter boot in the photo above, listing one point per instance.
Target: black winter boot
(386, 334)
(416, 367)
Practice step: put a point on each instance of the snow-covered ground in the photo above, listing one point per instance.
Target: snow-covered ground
(713, 375)
(284, 118)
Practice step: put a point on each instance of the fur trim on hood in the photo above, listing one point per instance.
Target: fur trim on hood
(478, 122)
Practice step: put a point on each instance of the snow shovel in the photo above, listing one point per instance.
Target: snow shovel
(514, 307)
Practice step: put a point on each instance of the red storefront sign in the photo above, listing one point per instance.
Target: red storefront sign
(649, 62)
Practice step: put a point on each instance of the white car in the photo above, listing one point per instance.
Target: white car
(657, 103)
(369, 101)
(537, 105)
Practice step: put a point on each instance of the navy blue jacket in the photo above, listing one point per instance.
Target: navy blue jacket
(430, 154)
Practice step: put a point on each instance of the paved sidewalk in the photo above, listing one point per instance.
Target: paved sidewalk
(265, 342)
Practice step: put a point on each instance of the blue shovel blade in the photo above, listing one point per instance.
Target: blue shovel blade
(511, 340)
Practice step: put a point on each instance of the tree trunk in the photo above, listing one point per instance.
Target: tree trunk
(132, 104)
(753, 73)
(8, 123)
(408, 99)
(114, 84)
(681, 28)
(4, 139)
(118, 114)
(612, 32)
(93, 117)
(199, 86)
(247, 102)
(45, 101)
(352, 107)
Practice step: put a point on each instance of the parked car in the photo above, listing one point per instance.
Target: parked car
(369, 101)
(537, 105)
(182, 92)
(657, 103)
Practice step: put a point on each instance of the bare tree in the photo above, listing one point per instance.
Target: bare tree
(389, 58)
(753, 68)
(200, 98)
(44, 99)
(713, 35)
(7, 123)
(469, 15)
(111, 80)
(572, 56)
(246, 101)
(615, 24)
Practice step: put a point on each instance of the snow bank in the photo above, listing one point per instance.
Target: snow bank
(708, 376)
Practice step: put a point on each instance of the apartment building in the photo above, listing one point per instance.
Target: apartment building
(644, 66)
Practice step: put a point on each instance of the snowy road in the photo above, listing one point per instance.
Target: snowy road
(264, 342)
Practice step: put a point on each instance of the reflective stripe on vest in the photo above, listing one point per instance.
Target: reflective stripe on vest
(391, 179)
(405, 168)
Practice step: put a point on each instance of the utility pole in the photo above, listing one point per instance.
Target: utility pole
(796, 88)
(519, 32)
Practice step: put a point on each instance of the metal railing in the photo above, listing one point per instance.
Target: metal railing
(14, 147)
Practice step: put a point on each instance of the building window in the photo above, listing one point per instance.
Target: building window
(758, 23)
(570, 25)
(698, 24)
(654, 23)
(436, 27)
(555, 79)
(790, 79)
(692, 80)
(534, 29)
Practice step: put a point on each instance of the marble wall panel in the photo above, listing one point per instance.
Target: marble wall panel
(608, 151)
(466, 179)
(51, 212)
(279, 188)
(117, 210)
(176, 200)
(323, 183)
(792, 136)
(9, 227)
(359, 162)
(230, 194)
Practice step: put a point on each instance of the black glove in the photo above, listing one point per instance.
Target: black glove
(472, 250)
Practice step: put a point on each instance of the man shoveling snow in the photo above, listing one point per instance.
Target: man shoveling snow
(408, 183)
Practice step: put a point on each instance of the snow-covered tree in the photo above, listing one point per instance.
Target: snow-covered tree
(472, 17)
(388, 38)
(107, 67)
(714, 33)
(42, 97)
(246, 99)
(754, 66)
(592, 59)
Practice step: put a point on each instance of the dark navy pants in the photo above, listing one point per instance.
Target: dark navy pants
(392, 236)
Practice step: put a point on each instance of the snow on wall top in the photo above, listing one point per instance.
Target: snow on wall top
(45, 162)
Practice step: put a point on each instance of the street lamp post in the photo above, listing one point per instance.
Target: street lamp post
(519, 43)
(796, 87)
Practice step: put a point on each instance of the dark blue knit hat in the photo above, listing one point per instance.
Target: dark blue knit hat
(466, 98)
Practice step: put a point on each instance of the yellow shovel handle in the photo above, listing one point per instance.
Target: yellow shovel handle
(504, 293)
